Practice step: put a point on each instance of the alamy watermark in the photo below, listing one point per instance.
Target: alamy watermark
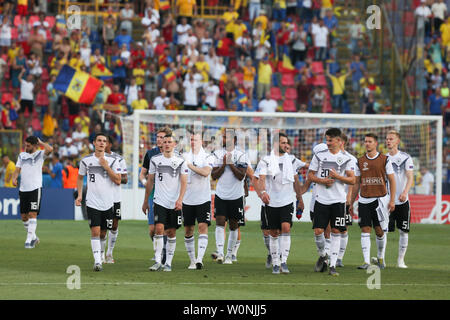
(374, 281)
(74, 280)
(374, 20)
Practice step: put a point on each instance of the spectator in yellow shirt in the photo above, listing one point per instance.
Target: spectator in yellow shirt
(279, 10)
(10, 167)
(141, 103)
(84, 120)
(186, 8)
(338, 82)
(249, 76)
(264, 78)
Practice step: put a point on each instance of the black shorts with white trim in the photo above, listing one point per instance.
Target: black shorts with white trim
(170, 218)
(30, 201)
(99, 218)
(201, 213)
(400, 217)
(334, 214)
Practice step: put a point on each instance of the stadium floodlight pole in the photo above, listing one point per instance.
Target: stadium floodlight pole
(358, 121)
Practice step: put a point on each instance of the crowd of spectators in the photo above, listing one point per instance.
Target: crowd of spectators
(257, 55)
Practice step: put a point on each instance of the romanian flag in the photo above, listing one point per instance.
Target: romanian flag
(169, 75)
(164, 4)
(242, 97)
(61, 23)
(100, 71)
(77, 85)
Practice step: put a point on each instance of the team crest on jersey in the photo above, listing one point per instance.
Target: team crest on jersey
(339, 161)
(365, 166)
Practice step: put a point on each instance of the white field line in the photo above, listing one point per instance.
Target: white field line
(219, 283)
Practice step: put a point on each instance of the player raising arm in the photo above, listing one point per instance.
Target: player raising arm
(29, 166)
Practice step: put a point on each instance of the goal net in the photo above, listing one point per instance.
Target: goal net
(421, 138)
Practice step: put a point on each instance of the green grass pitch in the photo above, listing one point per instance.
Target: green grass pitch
(40, 273)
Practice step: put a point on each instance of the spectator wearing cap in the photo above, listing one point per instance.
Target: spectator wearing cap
(68, 150)
(126, 18)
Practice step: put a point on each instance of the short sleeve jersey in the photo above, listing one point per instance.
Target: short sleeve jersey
(401, 162)
(322, 163)
(100, 188)
(167, 173)
(228, 186)
(30, 165)
(146, 163)
(122, 169)
(198, 190)
(281, 194)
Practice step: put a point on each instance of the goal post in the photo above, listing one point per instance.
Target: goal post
(422, 138)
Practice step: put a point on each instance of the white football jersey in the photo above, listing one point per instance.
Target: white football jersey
(30, 165)
(401, 162)
(354, 164)
(198, 189)
(281, 194)
(167, 173)
(122, 169)
(228, 186)
(100, 187)
(322, 163)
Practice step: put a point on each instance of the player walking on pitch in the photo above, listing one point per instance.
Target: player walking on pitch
(29, 167)
(374, 202)
(403, 170)
(331, 170)
(230, 167)
(276, 174)
(197, 200)
(168, 175)
(102, 171)
(114, 232)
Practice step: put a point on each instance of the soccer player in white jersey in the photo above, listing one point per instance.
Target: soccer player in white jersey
(276, 174)
(348, 217)
(376, 198)
(403, 170)
(114, 232)
(197, 200)
(331, 170)
(230, 167)
(168, 174)
(29, 166)
(102, 171)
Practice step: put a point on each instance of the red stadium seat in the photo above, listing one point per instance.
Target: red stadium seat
(317, 67)
(289, 106)
(287, 80)
(14, 33)
(17, 20)
(320, 80)
(240, 77)
(7, 97)
(32, 20)
(291, 94)
(45, 76)
(42, 99)
(275, 93)
(51, 21)
(220, 105)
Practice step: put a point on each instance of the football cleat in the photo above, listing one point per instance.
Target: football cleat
(319, 264)
(379, 262)
(109, 260)
(35, 242)
(167, 268)
(276, 269)
(339, 263)
(402, 265)
(199, 265)
(214, 255)
(269, 261)
(192, 266)
(228, 260)
(365, 266)
(98, 267)
(157, 266)
(219, 259)
(284, 268)
(333, 272)
(28, 245)
(233, 258)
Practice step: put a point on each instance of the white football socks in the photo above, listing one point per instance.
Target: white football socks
(220, 239)
(320, 244)
(202, 245)
(32, 225)
(112, 238)
(232, 238)
(158, 244)
(365, 246)
(335, 243)
(96, 249)
(402, 245)
(343, 245)
(170, 247)
(275, 251)
(190, 247)
(381, 246)
(285, 246)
